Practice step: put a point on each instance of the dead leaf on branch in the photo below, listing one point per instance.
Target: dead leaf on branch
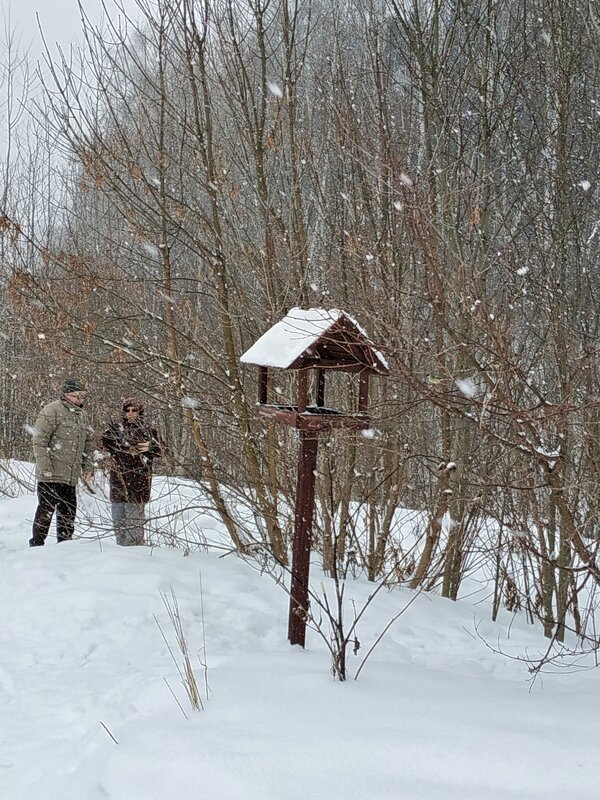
(13, 229)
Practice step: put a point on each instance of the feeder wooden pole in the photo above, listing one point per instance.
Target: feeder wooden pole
(305, 500)
(263, 385)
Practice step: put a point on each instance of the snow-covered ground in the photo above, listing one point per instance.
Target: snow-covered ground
(86, 682)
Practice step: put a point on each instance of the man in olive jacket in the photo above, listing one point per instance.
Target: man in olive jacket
(63, 446)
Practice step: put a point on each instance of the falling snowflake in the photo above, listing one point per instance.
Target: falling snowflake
(467, 387)
(189, 402)
(275, 89)
(151, 249)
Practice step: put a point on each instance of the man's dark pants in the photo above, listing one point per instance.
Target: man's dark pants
(59, 497)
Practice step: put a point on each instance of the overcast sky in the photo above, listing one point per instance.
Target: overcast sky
(59, 19)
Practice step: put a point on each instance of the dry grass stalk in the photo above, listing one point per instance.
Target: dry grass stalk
(185, 670)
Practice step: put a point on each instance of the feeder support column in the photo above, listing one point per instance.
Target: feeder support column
(305, 501)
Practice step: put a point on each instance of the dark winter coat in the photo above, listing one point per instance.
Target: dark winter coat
(63, 443)
(130, 471)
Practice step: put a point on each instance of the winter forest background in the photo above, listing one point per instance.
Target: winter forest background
(172, 189)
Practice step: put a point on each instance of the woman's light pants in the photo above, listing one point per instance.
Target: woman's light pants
(128, 522)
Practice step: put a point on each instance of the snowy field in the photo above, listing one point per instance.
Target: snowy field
(87, 685)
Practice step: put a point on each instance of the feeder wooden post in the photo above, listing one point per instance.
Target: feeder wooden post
(305, 499)
(263, 385)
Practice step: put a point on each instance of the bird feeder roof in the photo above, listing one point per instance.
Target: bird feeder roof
(316, 337)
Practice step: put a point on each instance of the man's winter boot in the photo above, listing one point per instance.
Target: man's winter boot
(36, 541)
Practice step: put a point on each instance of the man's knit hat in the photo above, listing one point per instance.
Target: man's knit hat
(72, 385)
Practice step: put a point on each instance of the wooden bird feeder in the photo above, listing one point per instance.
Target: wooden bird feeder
(322, 341)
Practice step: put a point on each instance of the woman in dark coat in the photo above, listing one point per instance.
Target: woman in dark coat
(132, 447)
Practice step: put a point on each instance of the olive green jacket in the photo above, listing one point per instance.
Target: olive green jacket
(63, 443)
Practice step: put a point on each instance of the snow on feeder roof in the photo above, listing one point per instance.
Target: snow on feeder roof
(316, 337)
